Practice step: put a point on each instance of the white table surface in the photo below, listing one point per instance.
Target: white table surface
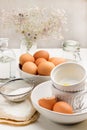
(42, 123)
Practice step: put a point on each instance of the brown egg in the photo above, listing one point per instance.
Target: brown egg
(47, 103)
(63, 107)
(26, 57)
(45, 68)
(57, 60)
(39, 60)
(29, 67)
(41, 54)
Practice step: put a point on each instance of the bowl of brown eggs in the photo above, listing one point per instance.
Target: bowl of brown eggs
(38, 66)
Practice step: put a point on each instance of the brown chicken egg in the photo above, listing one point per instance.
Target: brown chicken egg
(29, 67)
(57, 60)
(41, 54)
(26, 57)
(39, 60)
(63, 107)
(47, 102)
(44, 68)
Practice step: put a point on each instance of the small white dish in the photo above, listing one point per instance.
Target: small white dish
(44, 90)
(69, 76)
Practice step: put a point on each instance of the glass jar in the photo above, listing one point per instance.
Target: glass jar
(71, 50)
(7, 61)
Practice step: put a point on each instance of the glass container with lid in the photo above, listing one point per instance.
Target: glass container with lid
(7, 61)
(71, 50)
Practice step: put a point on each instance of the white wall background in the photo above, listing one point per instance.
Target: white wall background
(76, 11)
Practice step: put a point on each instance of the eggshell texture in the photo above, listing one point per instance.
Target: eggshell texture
(45, 68)
(57, 60)
(47, 103)
(41, 54)
(29, 67)
(63, 107)
(39, 60)
(26, 57)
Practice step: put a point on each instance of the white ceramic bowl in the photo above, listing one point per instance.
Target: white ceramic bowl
(44, 90)
(36, 78)
(69, 76)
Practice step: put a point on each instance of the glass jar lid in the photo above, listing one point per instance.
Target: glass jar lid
(71, 45)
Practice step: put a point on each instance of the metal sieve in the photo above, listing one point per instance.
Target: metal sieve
(16, 90)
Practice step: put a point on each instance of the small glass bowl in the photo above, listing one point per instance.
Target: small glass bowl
(17, 90)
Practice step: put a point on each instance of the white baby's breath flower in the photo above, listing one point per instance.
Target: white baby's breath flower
(37, 23)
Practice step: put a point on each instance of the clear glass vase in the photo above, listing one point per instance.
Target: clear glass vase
(28, 47)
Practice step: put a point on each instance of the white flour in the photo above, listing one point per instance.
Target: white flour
(20, 91)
